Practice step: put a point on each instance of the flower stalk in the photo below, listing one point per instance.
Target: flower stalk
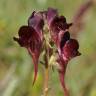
(46, 67)
(46, 79)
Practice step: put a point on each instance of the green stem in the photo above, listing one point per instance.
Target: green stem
(46, 81)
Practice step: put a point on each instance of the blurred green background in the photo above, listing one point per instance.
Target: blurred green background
(16, 68)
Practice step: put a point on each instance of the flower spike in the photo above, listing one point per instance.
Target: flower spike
(37, 38)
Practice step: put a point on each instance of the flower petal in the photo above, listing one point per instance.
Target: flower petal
(36, 21)
(35, 57)
(59, 23)
(26, 33)
(64, 38)
(71, 48)
(62, 70)
(58, 27)
(51, 14)
(20, 42)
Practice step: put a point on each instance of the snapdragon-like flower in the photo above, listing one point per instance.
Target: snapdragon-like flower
(67, 47)
(31, 37)
(69, 50)
(57, 24)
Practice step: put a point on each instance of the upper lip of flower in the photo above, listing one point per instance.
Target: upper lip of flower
(36, 21)
(56, 21)
(51, 14)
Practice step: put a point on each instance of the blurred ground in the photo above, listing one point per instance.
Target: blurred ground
(16, 68)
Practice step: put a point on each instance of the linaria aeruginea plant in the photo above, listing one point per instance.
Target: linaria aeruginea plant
(47, 33)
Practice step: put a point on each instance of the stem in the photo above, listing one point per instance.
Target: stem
(46, 81)
(46, 72)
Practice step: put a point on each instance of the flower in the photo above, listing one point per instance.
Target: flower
(57, 24)
(69, 50)
(31, 37)
(66, 46)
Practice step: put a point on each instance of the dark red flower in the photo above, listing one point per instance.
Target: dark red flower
(67, 47)
(31, 37)
(68, 50)
(56, 24)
